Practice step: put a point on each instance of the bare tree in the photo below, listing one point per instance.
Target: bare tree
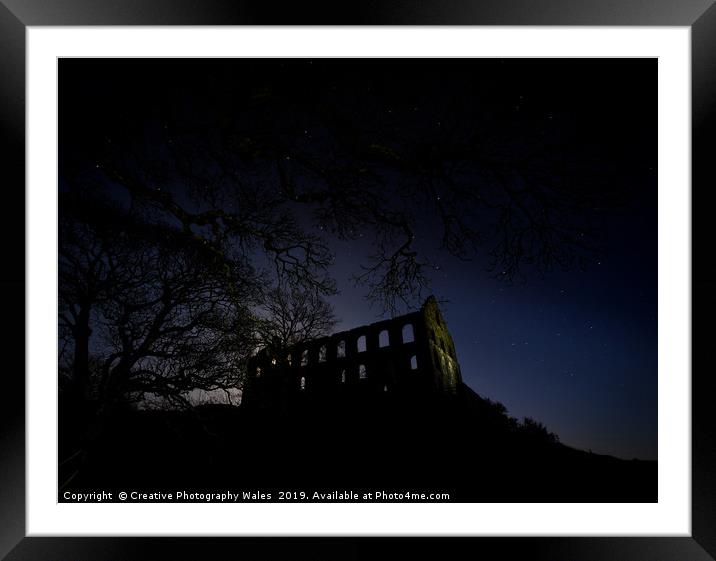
(90, 268)
(147, 309)
(182, 327)
(290, 316)
(247, 179)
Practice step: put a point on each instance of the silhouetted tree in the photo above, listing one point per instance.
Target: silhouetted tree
(163, 315)
(181, 327)
(92, 261)
(536, 430)
(291, 316)
(268, 169)
(82, 275)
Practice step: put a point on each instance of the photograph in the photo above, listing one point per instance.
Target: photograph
(357, 280)
(381, 279)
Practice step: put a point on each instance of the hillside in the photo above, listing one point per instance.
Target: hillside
(462, 444)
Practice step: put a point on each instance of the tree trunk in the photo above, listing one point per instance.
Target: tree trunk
(80, 368)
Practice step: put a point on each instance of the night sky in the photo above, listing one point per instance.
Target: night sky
(575, 349)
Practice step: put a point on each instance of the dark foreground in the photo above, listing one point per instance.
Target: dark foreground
(459, 445)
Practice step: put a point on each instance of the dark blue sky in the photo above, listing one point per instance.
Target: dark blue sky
(575, 349)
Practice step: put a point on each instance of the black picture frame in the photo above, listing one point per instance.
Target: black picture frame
(16, 15)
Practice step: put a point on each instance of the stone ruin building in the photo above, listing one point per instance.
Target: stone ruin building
(408, 356)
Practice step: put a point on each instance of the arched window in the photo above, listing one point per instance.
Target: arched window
(343, 376)
(303, 383)
(383, 338)
(362, 373)
(322, 354)
(258, 371)
(304, 358)
(408, 336)
(341, 350)
(385, 388)
(361, 344)
(413, 362)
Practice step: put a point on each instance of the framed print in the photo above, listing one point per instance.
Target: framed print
(411, 278)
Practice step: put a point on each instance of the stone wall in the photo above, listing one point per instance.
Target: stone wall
(410, 354)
